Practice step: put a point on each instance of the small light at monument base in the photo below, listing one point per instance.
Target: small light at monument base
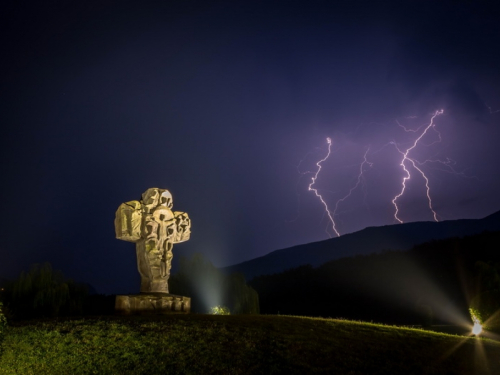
(220, 310)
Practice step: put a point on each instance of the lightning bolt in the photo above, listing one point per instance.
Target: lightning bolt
(491, 110)
(407, 129)
(358, 182)
(406, 158)
(448, 166)
(409, 161)
(313, 181)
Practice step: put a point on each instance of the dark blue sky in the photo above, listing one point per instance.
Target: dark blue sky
(227, 105)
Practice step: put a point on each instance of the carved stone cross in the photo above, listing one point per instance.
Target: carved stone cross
(154, 228)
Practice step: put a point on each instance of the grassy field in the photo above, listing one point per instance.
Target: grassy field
(206, 344)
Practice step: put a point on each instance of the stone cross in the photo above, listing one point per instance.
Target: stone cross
(154, 228)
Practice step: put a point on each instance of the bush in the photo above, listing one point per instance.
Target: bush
(3, 320)
(486, 308)
(220, 310)
(241, 298)
(44, 292)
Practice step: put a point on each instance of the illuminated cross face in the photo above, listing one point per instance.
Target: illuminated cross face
(150, 199)
(166, 199)
(154, 228)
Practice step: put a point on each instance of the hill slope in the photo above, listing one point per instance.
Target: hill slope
(205, 344)
(432, 281)
(366, 241)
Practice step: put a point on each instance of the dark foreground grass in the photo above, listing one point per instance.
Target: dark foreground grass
(204, 344)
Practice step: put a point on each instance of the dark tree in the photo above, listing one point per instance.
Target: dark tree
(207, 286)
(44, 292)
(485, 305)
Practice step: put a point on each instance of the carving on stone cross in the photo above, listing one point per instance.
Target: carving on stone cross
(154, 228)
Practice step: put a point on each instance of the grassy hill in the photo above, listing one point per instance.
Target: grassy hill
(244, 344)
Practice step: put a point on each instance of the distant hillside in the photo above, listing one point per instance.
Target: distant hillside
(434, 281)
(366, 241)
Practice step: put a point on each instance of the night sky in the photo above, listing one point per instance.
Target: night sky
(229, 106)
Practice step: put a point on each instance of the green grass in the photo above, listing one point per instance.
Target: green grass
(205, 344)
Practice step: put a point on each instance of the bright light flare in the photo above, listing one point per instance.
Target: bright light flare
(477, 328)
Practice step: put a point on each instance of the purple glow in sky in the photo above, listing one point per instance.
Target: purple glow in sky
(425, 136)
(219, 102)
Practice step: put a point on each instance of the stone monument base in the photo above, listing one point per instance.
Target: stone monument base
(152, 303)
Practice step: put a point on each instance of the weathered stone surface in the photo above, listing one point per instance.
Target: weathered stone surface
(128, 221)
(152, 303)
(154, 228)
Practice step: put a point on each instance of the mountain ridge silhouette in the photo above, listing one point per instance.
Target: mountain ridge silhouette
(366, 241)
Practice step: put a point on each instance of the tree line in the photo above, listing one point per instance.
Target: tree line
(45, 292)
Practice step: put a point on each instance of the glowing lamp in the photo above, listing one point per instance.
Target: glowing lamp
(220, 310)
(477, 328)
